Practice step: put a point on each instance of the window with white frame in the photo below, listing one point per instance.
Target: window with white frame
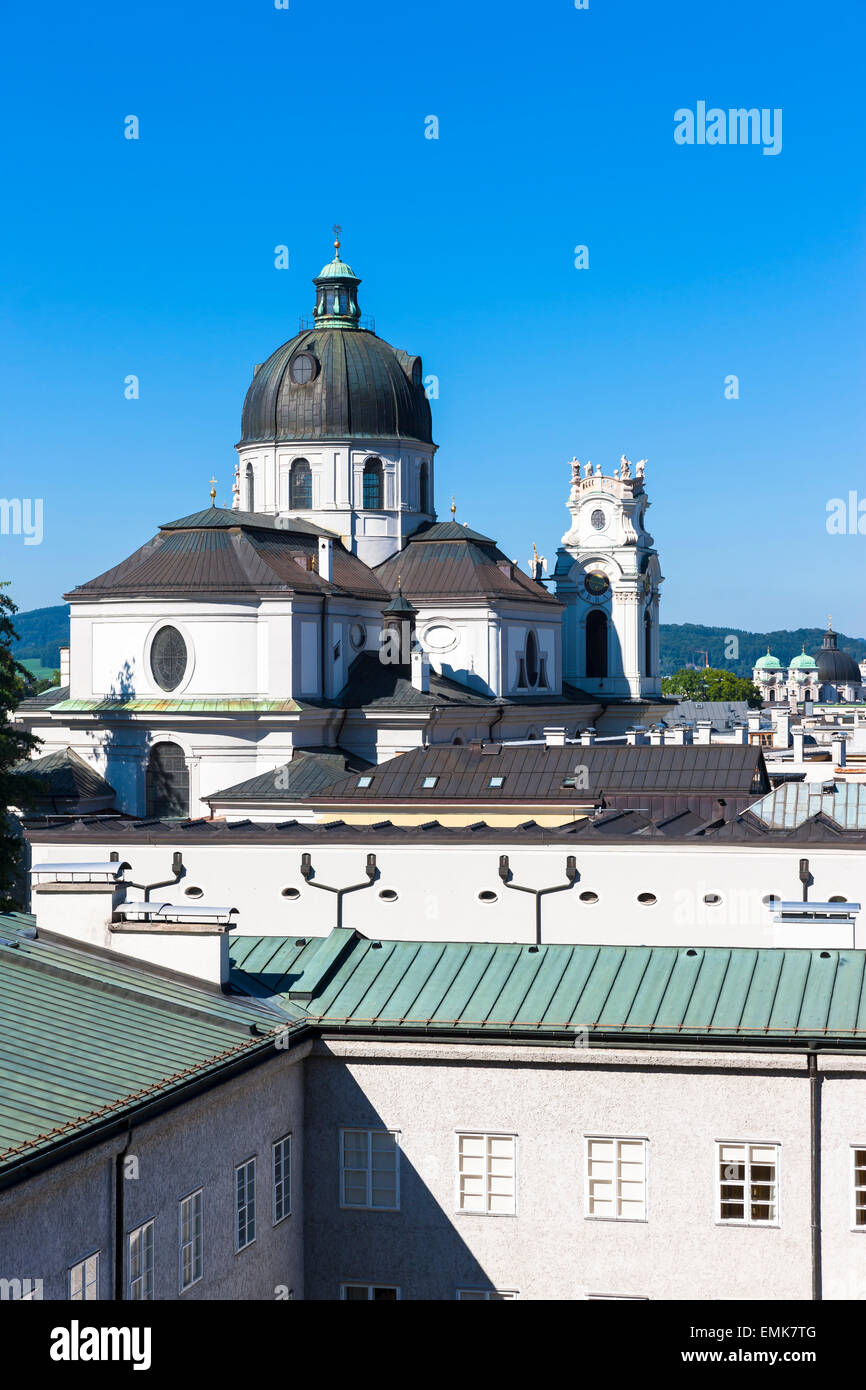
(370, 1169)
(858, 1217)
(748, 1177)
(616, 1171)
(245, 1204)
(282, 1171)
(369, 1293)
(486, 1174)
(84, 1280)
(484, 1295)
(139, 1262)
(191, 1241)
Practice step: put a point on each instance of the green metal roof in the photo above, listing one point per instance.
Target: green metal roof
(664, 993)
(85, 1039)
(148, 705)
(768, 662)
(804, 662)
(795, 802)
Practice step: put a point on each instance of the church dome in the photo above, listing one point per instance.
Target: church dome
(337, 380)
(835, 667)
(768, 663)
(803, 662)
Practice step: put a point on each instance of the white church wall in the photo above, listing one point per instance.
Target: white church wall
(437, 887)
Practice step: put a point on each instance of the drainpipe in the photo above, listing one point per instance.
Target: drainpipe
(307, 873)
(815, 1167)
(176, 868)
(539, 893)
(119, 1222)
(805, 878)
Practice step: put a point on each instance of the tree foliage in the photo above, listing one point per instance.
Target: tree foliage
(15, 745)
(709, 683)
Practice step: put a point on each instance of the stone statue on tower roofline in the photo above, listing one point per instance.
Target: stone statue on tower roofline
(575, 470)
(624, 467)
(587, 472)
(639, 468)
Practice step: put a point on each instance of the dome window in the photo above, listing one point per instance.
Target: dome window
(373, 485)
(302, 368)
(300, 486)
(168, 658)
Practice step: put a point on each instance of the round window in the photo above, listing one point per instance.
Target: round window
(712, 898)
(291, 893)
(439, 637)
(597, 584)
(194, 892)
(486, 896)
(589, 897)
(303, 368)
(388, 895)
(357, 635)
(168, 658)
(598, 519)
(646, 899)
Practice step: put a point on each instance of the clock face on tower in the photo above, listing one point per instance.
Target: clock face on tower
(596, 585)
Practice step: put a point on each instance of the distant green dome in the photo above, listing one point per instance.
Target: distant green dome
(337, 270)
(804, 662)
(768, 663)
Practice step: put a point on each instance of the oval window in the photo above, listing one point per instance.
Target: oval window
(291, 893)
(712, 898)
(589, 897)
(388, 895)
(440, 637)
(194, 892)
(487, 896)
(646, 899)
(598, 519)
(303, 368)
(168, 658)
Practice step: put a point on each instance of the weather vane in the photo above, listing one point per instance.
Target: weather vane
(338, 232)
(213, 492)
(453, 507)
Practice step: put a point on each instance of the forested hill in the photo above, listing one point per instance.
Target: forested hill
(685, 644)
(44, 631)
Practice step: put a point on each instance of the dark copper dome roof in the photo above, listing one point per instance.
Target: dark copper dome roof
(337, 380)
(836, 667)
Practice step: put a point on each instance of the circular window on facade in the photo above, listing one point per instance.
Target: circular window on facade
(589, 897)
(646, 899)
(440, 637)
(168, 658)
(487, 896)
(388, 895)
(598, 519)
(357, 635)
(302, 368)
(596, 584)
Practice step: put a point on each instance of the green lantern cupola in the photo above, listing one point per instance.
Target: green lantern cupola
(337, 294)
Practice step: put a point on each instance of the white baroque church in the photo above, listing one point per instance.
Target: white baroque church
(236, 639)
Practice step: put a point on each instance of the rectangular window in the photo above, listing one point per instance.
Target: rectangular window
(858, 1154)
(496, 782)
(486, 1174)
(748, 1182)
(370, 1169)
(282, 1169)
(245, 1204)
(365, 782)
(139, 1262)
(616, 1179)
(429, 782)
(484, 1295)
(190, 1240)
(84, 1280)
(367, 1293)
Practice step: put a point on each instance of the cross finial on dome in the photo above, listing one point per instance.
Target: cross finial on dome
(338, 232)
(213, 492)
(453, 508)
(829, 622)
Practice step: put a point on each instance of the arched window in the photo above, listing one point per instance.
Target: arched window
(647, 644)
(373, 485)
(167, 782)
(251, 489)
(168, 658)
(596, 644)
(531, 659)
(772, 696)
(424, 487)
(300, 486)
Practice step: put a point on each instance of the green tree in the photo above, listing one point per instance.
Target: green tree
(15, 746)
(709, 683)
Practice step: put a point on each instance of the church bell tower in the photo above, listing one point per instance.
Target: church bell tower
(608, 576)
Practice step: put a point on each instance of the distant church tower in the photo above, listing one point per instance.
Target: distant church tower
(607, 575)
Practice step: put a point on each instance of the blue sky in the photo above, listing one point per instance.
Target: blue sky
(262, 126)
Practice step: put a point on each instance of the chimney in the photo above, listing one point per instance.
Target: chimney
(754, 721)
(740, 734)
(799, 738)
(679, 735)
(421, 671)
(704, 731)
(554, 736)
(634, 736)
(781, 729)
(657, 737)
(64, 665)
(326, 557)
(839, 741)
(587, 736)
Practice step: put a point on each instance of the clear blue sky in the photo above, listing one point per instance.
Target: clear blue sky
(261, 126)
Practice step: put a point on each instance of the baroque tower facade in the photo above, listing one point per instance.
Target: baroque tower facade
(607, 576)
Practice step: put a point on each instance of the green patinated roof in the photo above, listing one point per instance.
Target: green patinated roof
(667, 993)
(804, 662)
(768, 662)
(149, 705)
(84, 1039)
(337, 270)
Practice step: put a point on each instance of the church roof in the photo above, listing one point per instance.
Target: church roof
(385, 685)
(445, 560)
(219, 551)
(309, 771)
(768, 662)
(833, 665)
(62, 780)
(803, 662)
